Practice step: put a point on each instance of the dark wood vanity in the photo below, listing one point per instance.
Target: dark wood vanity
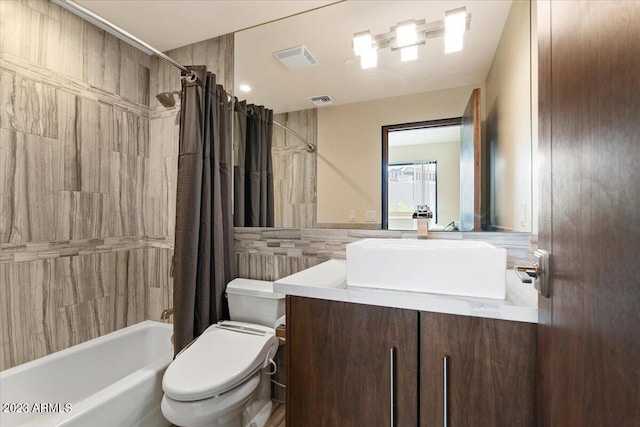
(362, 365)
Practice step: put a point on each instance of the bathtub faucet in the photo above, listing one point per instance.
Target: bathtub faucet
(166, 314)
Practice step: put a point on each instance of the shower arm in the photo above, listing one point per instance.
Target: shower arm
(113, 29)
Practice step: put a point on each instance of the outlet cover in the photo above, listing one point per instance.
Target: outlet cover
(371, 216)
(352, 216)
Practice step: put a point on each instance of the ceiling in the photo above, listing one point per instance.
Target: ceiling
(167, 24)
(327, 33)
(326, 30)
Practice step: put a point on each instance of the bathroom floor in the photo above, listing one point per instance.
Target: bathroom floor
(277, 418)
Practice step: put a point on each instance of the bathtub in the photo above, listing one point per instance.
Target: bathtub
(114, 380)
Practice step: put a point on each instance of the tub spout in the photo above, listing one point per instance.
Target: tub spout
(166, 314)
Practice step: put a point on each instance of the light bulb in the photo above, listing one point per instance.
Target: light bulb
(369, 59)
(406, 33)
(455, 24)
(362, 42)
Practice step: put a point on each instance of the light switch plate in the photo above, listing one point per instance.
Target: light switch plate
(352, 216)
(371, 216)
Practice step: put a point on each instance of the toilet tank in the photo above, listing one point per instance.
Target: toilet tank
(254, 301)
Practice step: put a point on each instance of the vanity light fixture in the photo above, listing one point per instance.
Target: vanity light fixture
(455, 24)
(408, 35)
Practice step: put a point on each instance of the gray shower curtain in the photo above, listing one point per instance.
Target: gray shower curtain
(204, 254)
(253, 186)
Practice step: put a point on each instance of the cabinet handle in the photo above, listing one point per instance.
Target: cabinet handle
(392, 360)
(445, 390)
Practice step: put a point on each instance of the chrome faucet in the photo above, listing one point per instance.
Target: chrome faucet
(423, 211)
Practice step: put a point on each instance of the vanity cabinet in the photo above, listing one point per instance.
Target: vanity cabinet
(348, 364)
(490, 371)
(341, 359)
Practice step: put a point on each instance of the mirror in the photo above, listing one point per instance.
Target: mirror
(340, 185)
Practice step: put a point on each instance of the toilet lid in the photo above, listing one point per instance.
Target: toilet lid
(222, 357)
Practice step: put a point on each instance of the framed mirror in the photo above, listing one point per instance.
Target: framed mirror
(340, 185)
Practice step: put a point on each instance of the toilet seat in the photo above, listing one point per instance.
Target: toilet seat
(224, 356)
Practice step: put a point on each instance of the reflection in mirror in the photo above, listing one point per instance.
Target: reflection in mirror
(423, 168)
(340, 185)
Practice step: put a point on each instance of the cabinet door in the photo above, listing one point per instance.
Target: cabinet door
(339, 364)
(491, 371)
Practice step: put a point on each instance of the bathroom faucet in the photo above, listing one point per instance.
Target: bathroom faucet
(166, 314)
(423, 211)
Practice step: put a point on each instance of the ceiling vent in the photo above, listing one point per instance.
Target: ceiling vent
(321, 100)
(296, 58)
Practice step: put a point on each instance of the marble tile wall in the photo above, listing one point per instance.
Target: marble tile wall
(273, 253)
(164, 123)
(294, 170)
(86, 218)
(51, 304)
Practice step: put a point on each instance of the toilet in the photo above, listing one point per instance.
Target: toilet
(223, 377)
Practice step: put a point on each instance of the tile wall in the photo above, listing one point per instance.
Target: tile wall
(88, 166)
(273, 253)
(294, 170)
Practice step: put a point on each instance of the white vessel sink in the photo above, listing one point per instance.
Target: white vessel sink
(453, 267)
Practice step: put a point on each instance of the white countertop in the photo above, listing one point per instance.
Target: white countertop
(329, 281)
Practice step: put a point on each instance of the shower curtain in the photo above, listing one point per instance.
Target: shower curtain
(204, 253)
(253, 170)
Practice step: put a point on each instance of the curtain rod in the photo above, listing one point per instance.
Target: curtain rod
(310, 147)
(123, 35)
(134, 41)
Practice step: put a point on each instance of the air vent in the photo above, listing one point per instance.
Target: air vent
(296, 58)
(321, 100)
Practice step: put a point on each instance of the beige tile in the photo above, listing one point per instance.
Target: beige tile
(33, 181)
(101, 59)
(82, 215)
(70, 47)
(21, 31)
(161, 196)
(128, 191)
(27, 106)
(131, 133)
(87, 160)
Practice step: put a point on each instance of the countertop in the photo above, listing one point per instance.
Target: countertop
(329, 281)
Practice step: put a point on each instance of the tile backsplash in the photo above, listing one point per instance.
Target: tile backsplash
(273, 253)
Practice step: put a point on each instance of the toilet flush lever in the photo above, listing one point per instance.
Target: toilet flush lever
(538, 273)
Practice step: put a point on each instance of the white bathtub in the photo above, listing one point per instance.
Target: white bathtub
(114, 380)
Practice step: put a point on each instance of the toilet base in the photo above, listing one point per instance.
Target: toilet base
(253, 411)
(258, 411)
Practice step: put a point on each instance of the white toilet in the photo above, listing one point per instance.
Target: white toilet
(223, 377)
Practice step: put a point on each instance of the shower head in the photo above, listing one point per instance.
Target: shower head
(166, 98)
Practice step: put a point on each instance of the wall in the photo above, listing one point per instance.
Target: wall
(350, 146)
(77, 256)
(294, 170)
(508, 125)
(447, 154)
(164, 123)
(274, 253)
(87, 178)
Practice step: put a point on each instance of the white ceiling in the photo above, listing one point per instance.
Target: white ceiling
(327, 32)
(167, 24)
